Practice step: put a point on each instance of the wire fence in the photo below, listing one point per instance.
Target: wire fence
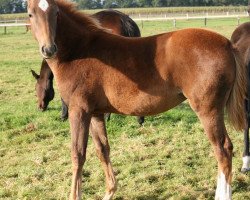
(150, 17)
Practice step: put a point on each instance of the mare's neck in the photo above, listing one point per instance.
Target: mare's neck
(45, 72)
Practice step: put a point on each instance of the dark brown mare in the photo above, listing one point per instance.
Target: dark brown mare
(241, 41)
(118, 23)
(98, 72)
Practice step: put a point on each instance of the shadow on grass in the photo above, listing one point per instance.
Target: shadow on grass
(241, 186)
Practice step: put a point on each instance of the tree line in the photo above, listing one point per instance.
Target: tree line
(19, 6)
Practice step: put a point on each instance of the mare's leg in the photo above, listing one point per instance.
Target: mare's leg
(107, 116)
(213, 123)
(100, 140)
(246, 153)
(140, 120)
(79, 127)
(64, 115)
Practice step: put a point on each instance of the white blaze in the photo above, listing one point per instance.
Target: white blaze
(43, 4)
(223, 191)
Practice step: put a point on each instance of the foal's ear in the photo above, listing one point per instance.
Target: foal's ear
(35, 74)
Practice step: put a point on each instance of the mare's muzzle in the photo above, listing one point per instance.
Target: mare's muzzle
(42, 107)
(49, 52)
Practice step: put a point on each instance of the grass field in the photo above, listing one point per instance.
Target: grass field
(168, 158)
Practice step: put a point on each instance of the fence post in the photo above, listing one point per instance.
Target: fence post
(141, 23)
(238, 20)
(174, 22)
(205, 21)
(5, 30)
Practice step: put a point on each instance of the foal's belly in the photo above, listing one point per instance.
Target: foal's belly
(143, 104)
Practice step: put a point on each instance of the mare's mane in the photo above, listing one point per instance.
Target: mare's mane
(80, 18)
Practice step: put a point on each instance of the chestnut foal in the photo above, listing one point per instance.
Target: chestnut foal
(118, 23)
(98, 72)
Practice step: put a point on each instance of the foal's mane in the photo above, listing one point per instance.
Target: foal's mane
(82, 19)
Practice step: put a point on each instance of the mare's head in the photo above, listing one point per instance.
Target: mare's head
(44, 86)
(43, 16)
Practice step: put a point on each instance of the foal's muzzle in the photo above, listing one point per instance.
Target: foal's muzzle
(49, 52)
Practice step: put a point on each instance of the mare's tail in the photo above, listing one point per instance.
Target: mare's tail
(129, 27)
(235, 104)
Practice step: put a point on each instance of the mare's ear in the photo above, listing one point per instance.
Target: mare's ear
(35, 74)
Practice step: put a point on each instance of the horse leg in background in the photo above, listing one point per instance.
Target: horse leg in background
(246, 154)
(214, 127)
(107, 116)
(99, 135)
(79, 128)
(140, 120)
(64, 115)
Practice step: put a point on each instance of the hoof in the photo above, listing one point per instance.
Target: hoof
(140, 120)
(64, 118)
(107, 116)
(245, 170)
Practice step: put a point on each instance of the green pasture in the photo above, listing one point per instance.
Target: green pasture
(167, 158)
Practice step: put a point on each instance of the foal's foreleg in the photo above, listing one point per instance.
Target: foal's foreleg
(214, 127)
(100, 140)
(79, 127)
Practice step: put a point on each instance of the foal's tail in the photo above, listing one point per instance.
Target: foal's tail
(235, 104)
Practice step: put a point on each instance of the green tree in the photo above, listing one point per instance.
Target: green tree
(145, 3)
(86, 4)
(110, 4)
(12, 6)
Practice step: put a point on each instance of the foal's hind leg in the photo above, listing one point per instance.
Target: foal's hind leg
(213, 122)
(100, 140)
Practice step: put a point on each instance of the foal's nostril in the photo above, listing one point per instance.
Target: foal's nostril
(43, 49)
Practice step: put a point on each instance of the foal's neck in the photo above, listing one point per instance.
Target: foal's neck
(72, 37)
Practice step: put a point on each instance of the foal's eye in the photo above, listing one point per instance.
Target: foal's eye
(30, 15)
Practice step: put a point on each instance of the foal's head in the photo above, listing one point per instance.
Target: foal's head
(44, 86)
(43, 20)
